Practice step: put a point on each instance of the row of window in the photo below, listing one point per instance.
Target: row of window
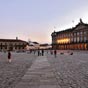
(14, 47)
(12, 43)
(72, 34)
(79, 33)
(69, 40)
(79, 39)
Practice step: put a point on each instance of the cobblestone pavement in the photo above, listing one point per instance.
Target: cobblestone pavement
(71, 70)
(11, 73)
(64, 71)
(31, 71)
(40, 75)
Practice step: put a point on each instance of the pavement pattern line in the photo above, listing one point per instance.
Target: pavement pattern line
(39, 75)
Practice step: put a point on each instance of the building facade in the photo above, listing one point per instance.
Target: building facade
(75, 38)
(12, 45)
(45, 46)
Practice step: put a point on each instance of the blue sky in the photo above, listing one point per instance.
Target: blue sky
(35, 19)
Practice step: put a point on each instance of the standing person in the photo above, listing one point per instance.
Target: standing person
(38, 52)
(9, 56)
(55, 53)
(42, 52)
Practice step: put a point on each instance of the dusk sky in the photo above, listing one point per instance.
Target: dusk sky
(37, 19)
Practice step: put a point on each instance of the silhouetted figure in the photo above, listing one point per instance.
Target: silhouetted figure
(9, 57)
(55, 53)
(42, 52)
(38, 52)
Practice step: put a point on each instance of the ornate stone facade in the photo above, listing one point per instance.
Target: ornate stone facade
(75, 38)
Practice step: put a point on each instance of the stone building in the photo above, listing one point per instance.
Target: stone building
(12, 44)
(45, 46)
(75, 38)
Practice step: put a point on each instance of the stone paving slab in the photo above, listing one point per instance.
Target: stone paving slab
(40, 75)
(26, 85)
(47, 86)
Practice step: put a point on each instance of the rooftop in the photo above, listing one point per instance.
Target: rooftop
(71, 29)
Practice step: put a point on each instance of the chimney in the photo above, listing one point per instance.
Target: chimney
(16, 38)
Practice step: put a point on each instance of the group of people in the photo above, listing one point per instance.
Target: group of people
(40, 53)
(54, 52)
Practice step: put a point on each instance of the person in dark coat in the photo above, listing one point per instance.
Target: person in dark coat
(42, 52)
(55, 53)
(9, 56)
(38, 52)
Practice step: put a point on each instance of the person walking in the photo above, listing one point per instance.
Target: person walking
(38, 52)
(9, 57)
(55, 53)
(42, 52)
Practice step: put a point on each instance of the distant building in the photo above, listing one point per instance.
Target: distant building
(75, 38)
(12, 44)
(36, 45)
(45, 46)
(33, 45)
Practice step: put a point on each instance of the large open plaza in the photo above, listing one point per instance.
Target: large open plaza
(32, 71)
(43, 43)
